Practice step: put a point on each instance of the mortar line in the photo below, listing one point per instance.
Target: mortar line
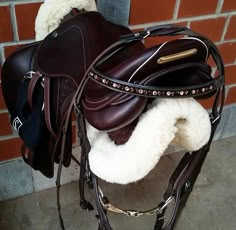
(225, 41)
(176, 10)
(22, 42)
(226, 27)
(6, 3)
(2, 58)
(197, 18)
(14, 22)
(8, 137)
(219, 6)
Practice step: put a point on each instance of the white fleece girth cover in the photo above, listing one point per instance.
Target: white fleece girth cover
(183, 122)
(51, 12)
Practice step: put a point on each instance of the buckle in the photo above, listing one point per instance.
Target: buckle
(215, 119)
(136, 36)
(42, 82)
(133, 213)
(147, 34)
(165, 204)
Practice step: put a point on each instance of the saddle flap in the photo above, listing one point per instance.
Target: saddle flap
(62, 53)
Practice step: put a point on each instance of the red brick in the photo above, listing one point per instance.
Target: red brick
(228, 52)
(229, 5)
(6, 33)
(230, 74)
(151, 11)
(5, 126)
(207, 103)
(194, 8)
(26, 14)
(10, 149)
(212, 28)
(152, 41)
(8, 50)
(231, 97)
(2, 103)
(231, 31)
(211, 62)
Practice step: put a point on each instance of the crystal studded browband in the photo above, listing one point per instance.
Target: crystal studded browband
(155, 91)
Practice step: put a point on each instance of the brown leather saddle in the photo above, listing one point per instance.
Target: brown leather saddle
(105, 73)
(58, 63)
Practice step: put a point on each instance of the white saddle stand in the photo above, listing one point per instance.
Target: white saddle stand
(183, 122)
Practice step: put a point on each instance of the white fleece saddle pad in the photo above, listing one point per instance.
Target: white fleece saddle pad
(183, 122)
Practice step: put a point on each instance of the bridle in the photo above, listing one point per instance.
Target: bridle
(184, 176)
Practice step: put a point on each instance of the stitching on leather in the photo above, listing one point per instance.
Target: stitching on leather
(146, 61)
(47, 105)
(101, 106)
(96, 102)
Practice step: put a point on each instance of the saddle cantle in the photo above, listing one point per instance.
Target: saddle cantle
(60, 61)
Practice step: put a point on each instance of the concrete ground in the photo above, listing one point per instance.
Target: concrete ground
(212, 205)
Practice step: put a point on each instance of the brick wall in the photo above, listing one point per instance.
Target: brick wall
(214, 18)
(16, 29)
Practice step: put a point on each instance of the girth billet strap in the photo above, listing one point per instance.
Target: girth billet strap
(85, 148)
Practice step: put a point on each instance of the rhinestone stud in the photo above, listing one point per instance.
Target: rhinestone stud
(168, 93)
(140, 91)
(127, 88)
(154, 93)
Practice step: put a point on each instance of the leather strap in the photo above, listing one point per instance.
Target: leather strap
(47, 106)
(143, 90)
(33, 82)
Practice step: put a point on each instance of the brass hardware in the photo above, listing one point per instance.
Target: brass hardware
(176, 56)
